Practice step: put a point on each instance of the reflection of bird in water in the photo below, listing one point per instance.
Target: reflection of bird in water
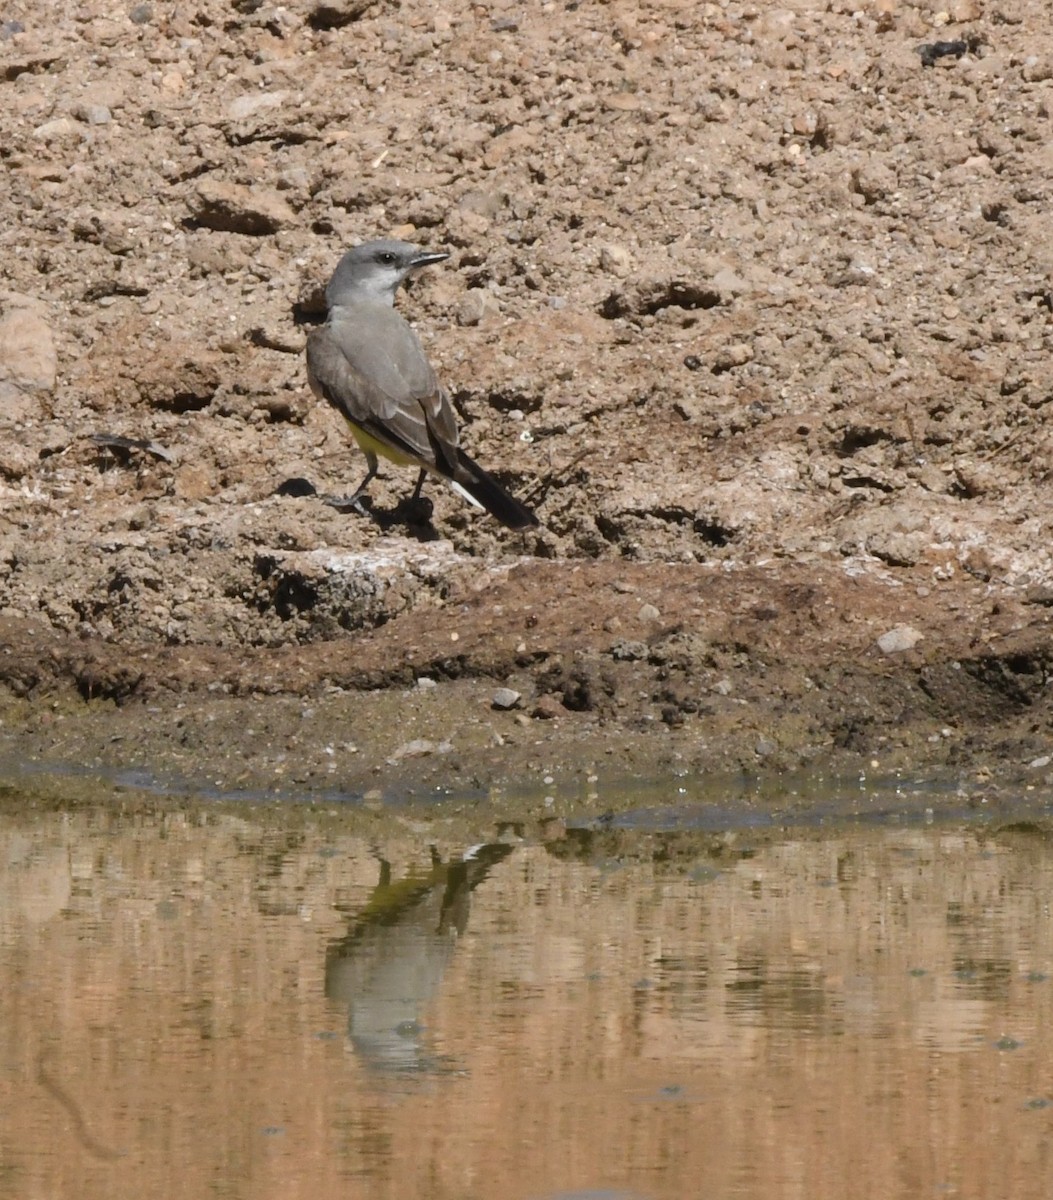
(391, 962)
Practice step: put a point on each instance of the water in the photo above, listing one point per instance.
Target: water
(283, 1002)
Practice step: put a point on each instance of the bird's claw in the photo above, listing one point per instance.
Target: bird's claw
(359, 502)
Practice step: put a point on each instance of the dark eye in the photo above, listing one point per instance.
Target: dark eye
(387, 258)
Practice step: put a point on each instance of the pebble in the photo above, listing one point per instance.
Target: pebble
(513, 143)
(506, 698)
(93, 114)
(58, 128)
(548, 707)
(729, 282)
(873, 180)
(247, 106)
(419, 748)
(194, 481)
(475, 306)
(735, 355)
(648, 612)
(1038, 70)
(1039, 593)
(622, 101)
(626, 651)
(902, 637)
(978, 478)
(616, 260)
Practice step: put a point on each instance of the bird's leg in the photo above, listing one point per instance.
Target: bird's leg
(419, 508)
(353, 503)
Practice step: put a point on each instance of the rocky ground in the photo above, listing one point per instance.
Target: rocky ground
(754, 303)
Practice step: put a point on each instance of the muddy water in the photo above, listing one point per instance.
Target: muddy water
(284, 1002)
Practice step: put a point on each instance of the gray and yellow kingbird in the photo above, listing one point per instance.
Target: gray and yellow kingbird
(369, 364)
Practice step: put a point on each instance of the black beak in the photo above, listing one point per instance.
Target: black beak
(427, 257)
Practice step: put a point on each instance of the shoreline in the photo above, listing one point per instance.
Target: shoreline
(755, 671)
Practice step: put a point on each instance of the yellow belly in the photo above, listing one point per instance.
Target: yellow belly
(369, 443)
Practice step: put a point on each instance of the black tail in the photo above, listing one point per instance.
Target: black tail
(491, 495)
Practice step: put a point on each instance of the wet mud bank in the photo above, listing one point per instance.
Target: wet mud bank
(553, 676)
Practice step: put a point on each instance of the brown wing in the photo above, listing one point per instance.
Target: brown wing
(370, 366)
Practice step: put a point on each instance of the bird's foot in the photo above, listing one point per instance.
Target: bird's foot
(358, 502)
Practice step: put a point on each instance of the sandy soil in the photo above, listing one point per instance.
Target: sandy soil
(753, 302)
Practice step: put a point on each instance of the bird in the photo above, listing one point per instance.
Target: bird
(369, 364)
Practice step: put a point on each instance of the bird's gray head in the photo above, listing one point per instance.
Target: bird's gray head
(374, 272)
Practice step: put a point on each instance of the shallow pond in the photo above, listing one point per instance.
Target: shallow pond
(299, 1001)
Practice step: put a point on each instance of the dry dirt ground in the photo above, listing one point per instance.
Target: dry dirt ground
(753, 302)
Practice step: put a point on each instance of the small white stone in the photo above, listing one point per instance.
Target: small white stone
(93, 114)
(60, 127)
(254, 102)
(616, 260)
(899, 638)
